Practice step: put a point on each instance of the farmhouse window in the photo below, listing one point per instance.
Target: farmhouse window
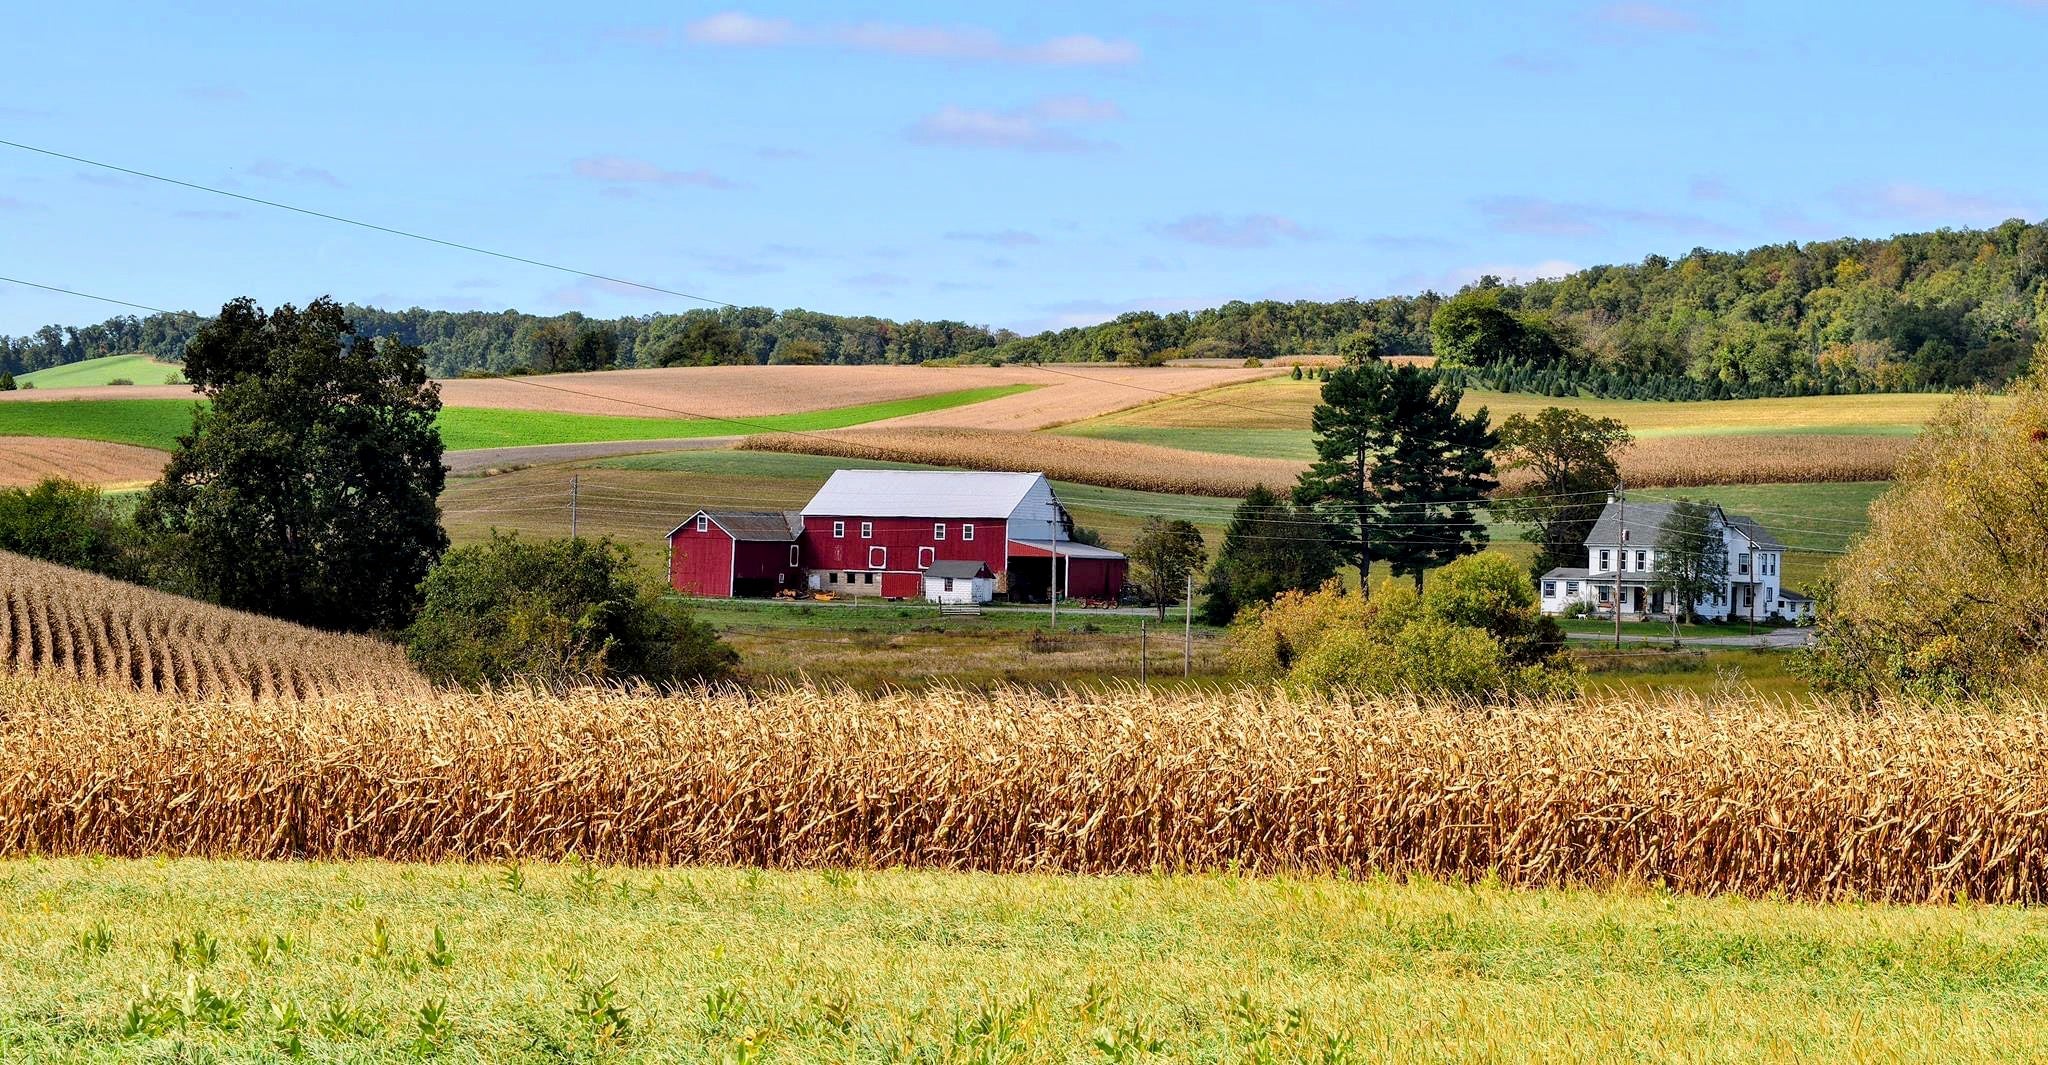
(1742, 566)
(967, 531)
(703, 523)
(878, 558)
(838, 529)
(926, 556)
(1640, 559)
(867, 530)
(1549, 589)
(1606, 558)
(938, 530)
(1604, 592)
(1571, 588)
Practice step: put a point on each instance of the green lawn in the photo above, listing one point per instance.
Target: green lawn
(227, 961)
(135, 369)
(1651, 628)
(157, 422)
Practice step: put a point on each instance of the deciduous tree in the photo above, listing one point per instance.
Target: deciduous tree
(306, 488)
(1163, 556)
(1692, 556)
(1576, 459)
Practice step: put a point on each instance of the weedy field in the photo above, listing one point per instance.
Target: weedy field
(235, 961)
(1734, 794)
(65, 622)
(137, 370)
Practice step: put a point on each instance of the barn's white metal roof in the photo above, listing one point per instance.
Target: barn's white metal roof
(922, 494)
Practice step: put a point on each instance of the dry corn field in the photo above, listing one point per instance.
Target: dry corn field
(1742, 458)
(1082, 460)
(65, 622)
(1746, 797)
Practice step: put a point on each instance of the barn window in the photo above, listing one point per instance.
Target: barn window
(703, 523)
(878, 558)
(870, 577)
(838, 529)
(835, 577)
(949, 584)
(867, 530)
(925, 557)
(794, 557)
(967, 531)
(938, 530)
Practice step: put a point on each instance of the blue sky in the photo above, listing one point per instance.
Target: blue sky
(1041, 165)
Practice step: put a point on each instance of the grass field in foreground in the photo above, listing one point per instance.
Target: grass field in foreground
(157, 422)
(135, 369)
(233, 961)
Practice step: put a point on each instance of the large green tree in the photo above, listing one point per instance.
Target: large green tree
(703, 340)
(1163, 556)
(1574, 459)
(306, 488)
(1398, 468)
(1692, 555)
(1270, 547)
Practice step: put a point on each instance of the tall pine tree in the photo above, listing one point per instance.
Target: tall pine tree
(1398, 468)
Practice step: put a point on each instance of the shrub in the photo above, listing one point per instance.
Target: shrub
(7, 382)
(119, 381)
(1478, 633)
(72, 525)
(555, 612)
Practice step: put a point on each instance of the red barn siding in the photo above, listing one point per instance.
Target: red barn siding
(1094, 578)
(902, 541)
(701, 563)
(762, 567)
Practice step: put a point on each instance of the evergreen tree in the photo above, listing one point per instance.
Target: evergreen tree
(1398, 469)
(1270, 547)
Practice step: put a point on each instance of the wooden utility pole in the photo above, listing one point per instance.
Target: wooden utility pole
(1187, 654)
(575, 489)
(1144, 655)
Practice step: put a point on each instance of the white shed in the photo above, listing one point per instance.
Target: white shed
(959, 582)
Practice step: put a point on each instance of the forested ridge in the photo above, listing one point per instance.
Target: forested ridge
(1945, 309)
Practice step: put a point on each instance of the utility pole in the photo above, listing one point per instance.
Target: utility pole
(575, 489)
(1144, 655)
(1621, 513)
(1053, 586)
(1187, 654)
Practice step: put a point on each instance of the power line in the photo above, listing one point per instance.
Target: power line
(90, 296)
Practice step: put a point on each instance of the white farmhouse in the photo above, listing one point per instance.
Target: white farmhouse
(1621, 553)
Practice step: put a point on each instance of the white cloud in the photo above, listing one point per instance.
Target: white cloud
(1652, 17)
(969, 43)
(1002, 238)
(1245, 231)
(742, 29)
(1036, 127)
(1927, 203)
(621, 170)
(1458, 277)
(1537, 216)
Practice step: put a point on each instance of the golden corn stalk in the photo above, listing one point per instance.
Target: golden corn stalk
(1739, 795)
(66, 622)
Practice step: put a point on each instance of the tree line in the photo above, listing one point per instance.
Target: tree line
(1924, 311)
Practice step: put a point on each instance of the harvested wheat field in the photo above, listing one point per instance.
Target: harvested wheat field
(1069, 392)
(65, 622)
(24, 460)
(1082, 460)
(1739, 795)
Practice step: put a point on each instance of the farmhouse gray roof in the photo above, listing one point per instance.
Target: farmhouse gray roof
(1643, 520)
(1791, 596)
(956, 569)
(1564, 573)
(775, 526)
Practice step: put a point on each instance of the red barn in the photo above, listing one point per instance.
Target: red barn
(736, 552)
(876, 532)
